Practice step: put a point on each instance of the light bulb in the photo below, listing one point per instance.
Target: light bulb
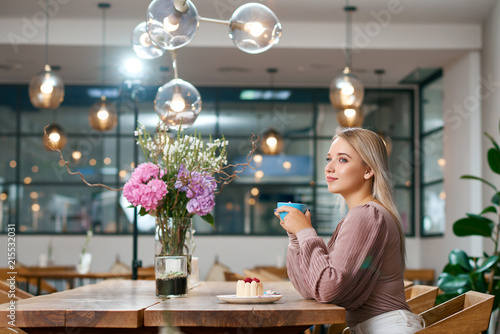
(347, 89)
(144, 40)
(54, 137)
(103, 113)
(272, 142)
(170, 23)
(254, 28)
(76, 155)
(178, 103)
(350, 112)
(47, 87)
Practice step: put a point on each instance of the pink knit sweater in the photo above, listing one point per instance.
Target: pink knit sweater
(360, 268)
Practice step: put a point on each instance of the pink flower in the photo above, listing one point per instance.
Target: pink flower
(145, 187)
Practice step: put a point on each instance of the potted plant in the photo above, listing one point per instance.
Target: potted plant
(482, 274)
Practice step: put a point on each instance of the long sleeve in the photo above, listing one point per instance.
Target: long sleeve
(346, 272)
(293, 267)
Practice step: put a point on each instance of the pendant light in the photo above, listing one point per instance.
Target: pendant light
(350, 117)
(54, 137)
(177, 103)
(385, 137)
(142, 44)
(272, 140)
(172, 24)
(46, 89)
(103, 115)
(346, 90)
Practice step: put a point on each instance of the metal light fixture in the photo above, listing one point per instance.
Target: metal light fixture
(346, 90)
(385, 137)
(172, 24)
(272, 140)
(46, 89)
(178, 103)
(103, 115)
(54, 137)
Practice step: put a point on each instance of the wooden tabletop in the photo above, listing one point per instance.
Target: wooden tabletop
(202, 308)
(125, 305)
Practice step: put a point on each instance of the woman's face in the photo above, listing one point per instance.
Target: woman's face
(345, 171)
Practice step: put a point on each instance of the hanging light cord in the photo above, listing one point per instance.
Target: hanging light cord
(348, 51)
(103, 51)
(174, 62)
(47, 32)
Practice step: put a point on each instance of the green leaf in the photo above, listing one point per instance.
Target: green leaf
(143, 211)
(472, 226)
(209, 219)
(444, 297)
(454, 284)
(496, 199)
(489, 209)
(471, 177)
(488, 263)
(492, 140)
(461, 258)
(454, 269)
(494, 159)
(479, 217)
(479, 282)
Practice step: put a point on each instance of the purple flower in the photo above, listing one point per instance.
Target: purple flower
(199, 188)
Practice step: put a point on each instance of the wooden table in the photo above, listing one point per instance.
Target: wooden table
(126, 306)
(69, 276)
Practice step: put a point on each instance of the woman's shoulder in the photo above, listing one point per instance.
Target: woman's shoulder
(371, 211)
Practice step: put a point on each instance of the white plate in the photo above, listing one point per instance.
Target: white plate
(249, 300)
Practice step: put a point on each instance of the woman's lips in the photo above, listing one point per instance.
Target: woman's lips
(330, 179)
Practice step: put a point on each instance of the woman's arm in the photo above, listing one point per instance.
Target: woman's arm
(347, 273)
(293, 268)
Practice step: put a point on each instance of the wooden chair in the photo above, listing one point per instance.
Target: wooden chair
(420, 276)
(420, 298)
(20, 294)
(147, 273)
(232, 277)
(408, 283)
(278, 271)
(467, 313)
(262, 275)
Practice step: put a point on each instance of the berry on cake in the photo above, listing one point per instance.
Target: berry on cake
(249, 287)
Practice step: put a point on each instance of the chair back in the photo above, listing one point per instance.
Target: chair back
(420, 298)
(19, 294)
(232, 277)
(467, 313)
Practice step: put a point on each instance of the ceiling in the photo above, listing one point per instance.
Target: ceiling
(423, 33)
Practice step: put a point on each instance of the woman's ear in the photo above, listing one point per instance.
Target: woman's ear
(368, 173)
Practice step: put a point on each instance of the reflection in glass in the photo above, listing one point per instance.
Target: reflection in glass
(432, 156)
(434, 210)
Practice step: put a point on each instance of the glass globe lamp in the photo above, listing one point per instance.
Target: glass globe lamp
(272, 142)
(178, 103)
(46, 89)
(103, 115)
(351, 117)
(54, 137)
(254, 28)
(171, 24)
(346, 91)
(142, 44)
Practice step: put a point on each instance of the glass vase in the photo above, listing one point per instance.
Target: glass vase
(171, 276)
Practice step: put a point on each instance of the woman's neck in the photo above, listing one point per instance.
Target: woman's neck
(357, 199)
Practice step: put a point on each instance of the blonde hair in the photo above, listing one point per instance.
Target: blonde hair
(373, 152)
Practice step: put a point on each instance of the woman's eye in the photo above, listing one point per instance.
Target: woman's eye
(328, 160)
(342, 160)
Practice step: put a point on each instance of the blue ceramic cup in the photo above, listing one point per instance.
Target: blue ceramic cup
(300, 206)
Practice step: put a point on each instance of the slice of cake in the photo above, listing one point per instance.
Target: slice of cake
(249, 287)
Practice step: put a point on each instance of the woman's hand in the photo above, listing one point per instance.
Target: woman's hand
(295, 220)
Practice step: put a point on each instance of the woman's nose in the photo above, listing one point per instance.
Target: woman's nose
(329, 166)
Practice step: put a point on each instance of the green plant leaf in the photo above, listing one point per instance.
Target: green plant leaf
(454, 284)
(444, 297)
(472, 226)
(454, 269)
(209, 219)
(143, 211)
(472, 177)
(488, 263)
(461, 258)
(496, 199)
(492, 140)
(489, 209)
(494, 159)
(478, 282)
(479, 217)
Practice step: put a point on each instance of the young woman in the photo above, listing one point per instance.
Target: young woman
(361, 267)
